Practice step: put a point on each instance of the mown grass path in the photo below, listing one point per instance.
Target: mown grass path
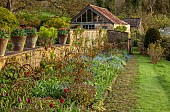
(123, 95)
(154, 86)
(144, 87)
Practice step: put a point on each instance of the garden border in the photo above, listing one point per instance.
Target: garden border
(108, 91)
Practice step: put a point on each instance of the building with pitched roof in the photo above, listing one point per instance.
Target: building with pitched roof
(135, 24)
(94, 17)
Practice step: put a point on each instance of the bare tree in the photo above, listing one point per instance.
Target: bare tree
(151, 4)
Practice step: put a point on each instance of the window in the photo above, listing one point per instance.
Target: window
(105, 27)
(85, 26)
(88, 26)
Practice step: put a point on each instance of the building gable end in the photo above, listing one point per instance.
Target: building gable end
(74, 20)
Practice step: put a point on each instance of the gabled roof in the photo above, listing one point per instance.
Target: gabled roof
(104, 12)
(134, 22)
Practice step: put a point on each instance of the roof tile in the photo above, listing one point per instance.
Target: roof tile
(134, 22)
(104, 12)
(108, 15)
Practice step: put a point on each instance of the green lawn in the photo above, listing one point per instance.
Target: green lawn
(154, 86)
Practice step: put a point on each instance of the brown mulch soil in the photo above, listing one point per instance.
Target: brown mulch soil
(123, 96)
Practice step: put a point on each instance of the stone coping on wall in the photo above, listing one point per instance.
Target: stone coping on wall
(9, 54)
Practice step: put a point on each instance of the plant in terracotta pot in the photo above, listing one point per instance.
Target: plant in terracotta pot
(32, 36)
(61, 24)
(47, 35)
(62, 35)
(3, 42)
(18, 37)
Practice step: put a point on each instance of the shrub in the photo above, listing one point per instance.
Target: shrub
(31, 19)
(155, 52)
(58, 23)
(166, 44)
(135, 35)
(47, 33)
(31, 31)
(155, 21)
(7, 20)
(18, 32)
(168, 57)
(120, 28)
(24, 18)
(46, 36)
(35, 22)
(3, 34)
(152, 35)
(62, 31)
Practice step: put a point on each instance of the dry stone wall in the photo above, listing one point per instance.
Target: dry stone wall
(119, 39)
(33, 56)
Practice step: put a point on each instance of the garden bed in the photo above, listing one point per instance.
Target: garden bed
(72, 84)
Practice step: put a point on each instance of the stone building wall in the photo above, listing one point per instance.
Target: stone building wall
(90, 35)
(119, 39)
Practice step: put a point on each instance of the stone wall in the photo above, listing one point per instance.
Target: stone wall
(128, 30)
(119, 39)
(33, 56)
(91, 35)
(104, 25)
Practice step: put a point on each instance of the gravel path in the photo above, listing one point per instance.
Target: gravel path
(123, 96)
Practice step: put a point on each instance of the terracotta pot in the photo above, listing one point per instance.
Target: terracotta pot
(31, 41)
(62, 39)
(18, 42)
(3, 44)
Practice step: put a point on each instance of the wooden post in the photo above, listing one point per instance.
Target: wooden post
(92, 16)
(130, 45)
(97, 18)
(86, 16)
(81, 18)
